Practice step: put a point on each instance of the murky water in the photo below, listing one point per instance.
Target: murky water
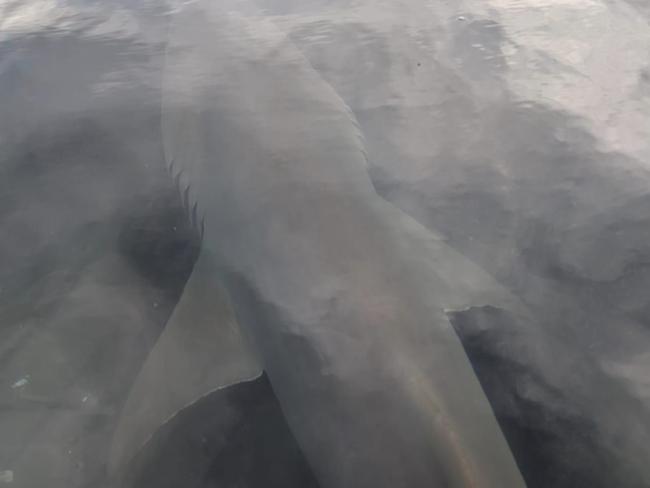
(516, 135)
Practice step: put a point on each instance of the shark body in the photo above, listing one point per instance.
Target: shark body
(308, 275)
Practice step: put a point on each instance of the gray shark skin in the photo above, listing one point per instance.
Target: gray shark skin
(341, 298)
(541, 185)
(515, 130)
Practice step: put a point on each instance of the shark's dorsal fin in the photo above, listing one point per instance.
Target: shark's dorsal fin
(202, 349)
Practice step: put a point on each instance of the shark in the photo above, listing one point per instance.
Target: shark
(308, 276)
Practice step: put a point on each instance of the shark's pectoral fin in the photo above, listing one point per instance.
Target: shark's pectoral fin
(202, 349)
(237, 436)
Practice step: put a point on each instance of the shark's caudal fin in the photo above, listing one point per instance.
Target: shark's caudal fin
(201, 350)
